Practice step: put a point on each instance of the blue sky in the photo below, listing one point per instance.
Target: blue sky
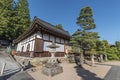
(106, 14)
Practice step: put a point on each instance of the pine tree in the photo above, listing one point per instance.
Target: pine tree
(85, 37)
(85, 19)
(23, 17)
(6, 12)
(14, 18)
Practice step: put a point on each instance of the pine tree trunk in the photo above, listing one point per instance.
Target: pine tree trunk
(106, 57)
(81, 59)
(92, 59)
(101, 57)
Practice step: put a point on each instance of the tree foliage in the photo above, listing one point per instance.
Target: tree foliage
(102, 46)
(112, 53)
(85, 19)
(117, 43)
(84, 37)
(14, 18)
(23, 15)
(59, 26)
(6, 13)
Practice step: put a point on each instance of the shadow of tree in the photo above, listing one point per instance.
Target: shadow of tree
(21, 76)
(5, 77)
(113, 73)
(85, 74)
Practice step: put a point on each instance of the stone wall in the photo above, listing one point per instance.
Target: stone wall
(36, 61)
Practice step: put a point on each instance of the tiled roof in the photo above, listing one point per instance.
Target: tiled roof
(51, 28)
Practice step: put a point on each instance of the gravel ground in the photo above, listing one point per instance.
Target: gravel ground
(74, 72)
(70, 70)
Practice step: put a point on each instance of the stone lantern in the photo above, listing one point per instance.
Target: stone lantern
(52, 49)
(52, 67)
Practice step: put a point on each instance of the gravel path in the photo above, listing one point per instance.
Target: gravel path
(73, 72)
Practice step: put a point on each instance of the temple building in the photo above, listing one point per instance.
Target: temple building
(35, 40)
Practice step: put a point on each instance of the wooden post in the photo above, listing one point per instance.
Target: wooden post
(3, 67)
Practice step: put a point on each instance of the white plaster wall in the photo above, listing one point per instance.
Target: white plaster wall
(30, 40)
(60, 49)
(32, 45)
(18, 47)
(39, 35)
(45, 48)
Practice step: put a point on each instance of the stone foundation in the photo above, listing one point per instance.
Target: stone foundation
(37, 61)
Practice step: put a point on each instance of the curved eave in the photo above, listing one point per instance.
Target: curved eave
(26, 34)
(37, 25)
(55, 31)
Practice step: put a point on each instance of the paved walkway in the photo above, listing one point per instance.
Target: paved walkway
(11, 65)
(113, 74)
(21, 76)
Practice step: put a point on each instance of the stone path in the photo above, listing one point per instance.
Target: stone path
(11, 65)
(21, 76)
(113, 74)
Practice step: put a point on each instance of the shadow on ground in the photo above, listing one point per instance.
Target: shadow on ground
(113, 73)
(5, 77)
(85, 74)
(21, 76)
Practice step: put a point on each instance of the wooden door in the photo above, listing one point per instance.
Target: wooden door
(38, 45)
